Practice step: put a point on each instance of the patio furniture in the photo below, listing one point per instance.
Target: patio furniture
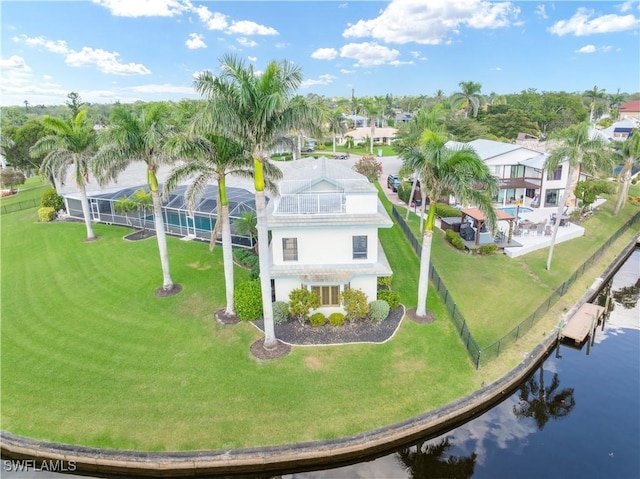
(547, 230)
(540, 228)
(517, 231)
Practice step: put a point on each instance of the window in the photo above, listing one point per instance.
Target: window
(517, 171)
(290, 249)
(555, 175)
(359, 247)
(329, 295)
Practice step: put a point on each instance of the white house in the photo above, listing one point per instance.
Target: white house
(324, 232)
(382, 135)
(521, 173)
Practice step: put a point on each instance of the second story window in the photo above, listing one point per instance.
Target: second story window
(555, 175)
(359, 247)
(290, 249)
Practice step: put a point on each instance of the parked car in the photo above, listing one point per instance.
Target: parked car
(307, 150)
(393, 182)
(343, 156)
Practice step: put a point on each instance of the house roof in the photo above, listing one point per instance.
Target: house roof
(625, 126)
(630, 106)
(488, 149)
(365, 131)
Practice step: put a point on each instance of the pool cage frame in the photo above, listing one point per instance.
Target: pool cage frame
(178, 220)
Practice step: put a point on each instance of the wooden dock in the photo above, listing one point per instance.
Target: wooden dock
(582, 323)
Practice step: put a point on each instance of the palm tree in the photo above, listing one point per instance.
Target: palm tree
(469, 98)
(427, 118)
(205, 158)
(447, 171)
(579, 148)
(71, 145)
(543, 403)
(139, 136)
(630, 151)
(373, 107)
(256, 111)
(594, 95)
(337, 124)
(247, 225)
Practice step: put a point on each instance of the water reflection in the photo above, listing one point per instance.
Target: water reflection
(543, 403)
(428, 460)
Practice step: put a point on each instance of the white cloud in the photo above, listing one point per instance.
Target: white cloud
(581, 24)
(252, 59)
(106, 62)
(628, 5)
(213, 21)
(14, 71)
(369, 54)
(245, 27)
(593, 49)
(541, 11)
(325, 54)
(195, 41)
(143, 8)
(245, 42)
(433, 22)
(322, 80)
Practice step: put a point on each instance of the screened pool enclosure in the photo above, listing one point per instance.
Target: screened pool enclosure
(179, 221)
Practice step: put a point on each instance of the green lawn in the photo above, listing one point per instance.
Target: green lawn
(32, 190)
(90, 356)
(507, 290)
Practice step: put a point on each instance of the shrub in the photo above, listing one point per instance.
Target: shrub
(391, 297)
(52, 199)
(248, 300)
(301, 301)
(487, 249)
(46, 214)
(354, 302)
(385, 281)
(404, 192)
(455, 240)
(10, 178)
(336, 319)
(378, 310)
(317, 320)
(369, 167)
(280, 312)
(446, 211)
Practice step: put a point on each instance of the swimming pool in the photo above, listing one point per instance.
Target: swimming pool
(511, 210)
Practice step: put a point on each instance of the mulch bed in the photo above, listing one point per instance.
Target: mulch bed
(164, 293)
(259, 351)
(429, 318)
(364, 331)
(225, 318)
(140, 235)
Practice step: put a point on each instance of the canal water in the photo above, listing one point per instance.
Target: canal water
(577, 416)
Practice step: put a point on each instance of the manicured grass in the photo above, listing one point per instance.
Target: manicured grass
(31, 190)
(90, 356)
(507, 290)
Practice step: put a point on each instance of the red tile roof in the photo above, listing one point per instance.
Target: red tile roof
(632, 105)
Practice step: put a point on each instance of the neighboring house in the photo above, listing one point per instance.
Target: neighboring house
(404, 117)
(357, 121)
(629, 109)
(324, 232)
(382, 135)
(520, 171)
(620, 130)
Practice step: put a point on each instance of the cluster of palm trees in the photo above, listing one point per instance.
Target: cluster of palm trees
(247, 115)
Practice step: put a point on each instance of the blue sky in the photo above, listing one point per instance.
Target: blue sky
(127, 50)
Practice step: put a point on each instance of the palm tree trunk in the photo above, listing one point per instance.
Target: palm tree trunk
(423, 208)
(86, 212)
(373, 132)
(561, 206)
(334, 143)
(227, 249)
(167, 282)
(270, 340)
(413, 192)
(624, 191)
(423, 278)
